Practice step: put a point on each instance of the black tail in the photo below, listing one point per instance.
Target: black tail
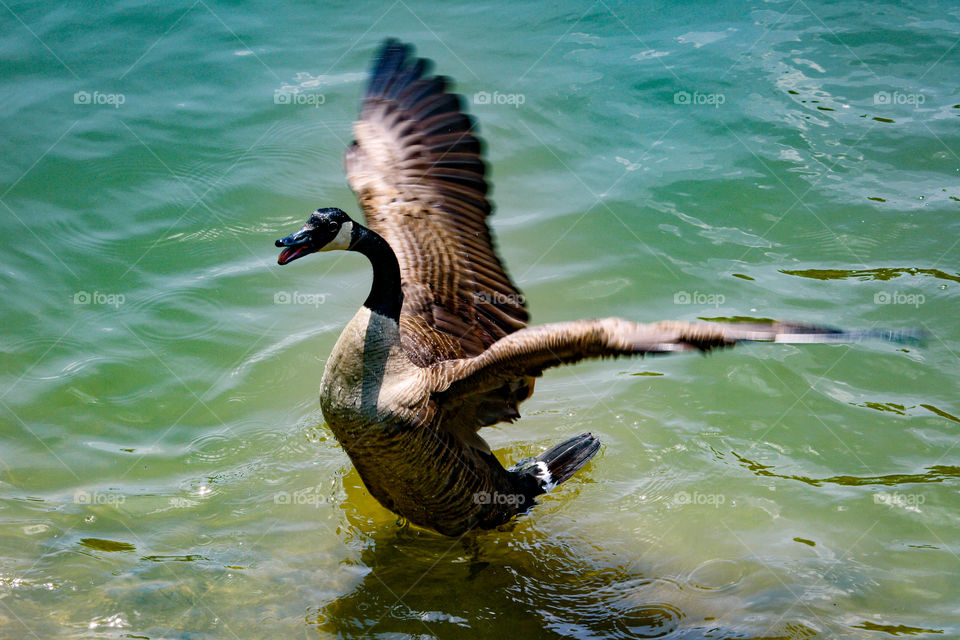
(557, 464)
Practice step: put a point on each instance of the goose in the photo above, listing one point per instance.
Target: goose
(441, 346)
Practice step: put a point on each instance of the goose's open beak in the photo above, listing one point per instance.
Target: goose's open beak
(296, 245)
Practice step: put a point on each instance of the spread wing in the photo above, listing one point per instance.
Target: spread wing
(416, 166)
(527, 353)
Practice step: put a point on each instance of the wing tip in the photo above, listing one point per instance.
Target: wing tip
(799, 333)
(397, 74)
(390, 59)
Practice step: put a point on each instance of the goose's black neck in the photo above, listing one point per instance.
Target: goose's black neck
(386, 296)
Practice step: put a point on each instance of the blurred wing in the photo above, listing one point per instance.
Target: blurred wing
(529, 352)
(417, 170)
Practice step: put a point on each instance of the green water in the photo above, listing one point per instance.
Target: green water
(166, 472)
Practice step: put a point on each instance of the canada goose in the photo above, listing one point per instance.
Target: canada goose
(441, 347)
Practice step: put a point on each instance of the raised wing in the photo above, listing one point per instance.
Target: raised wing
(416, 166)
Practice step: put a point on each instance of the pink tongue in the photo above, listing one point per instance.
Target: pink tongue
(289, 254)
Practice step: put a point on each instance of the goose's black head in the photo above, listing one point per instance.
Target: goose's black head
(325, 230)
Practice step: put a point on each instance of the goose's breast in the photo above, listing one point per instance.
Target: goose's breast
(368, 379)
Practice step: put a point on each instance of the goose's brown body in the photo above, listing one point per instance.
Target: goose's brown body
(441, 348)
(377, 402)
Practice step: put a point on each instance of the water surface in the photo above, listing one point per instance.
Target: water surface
(166, 472)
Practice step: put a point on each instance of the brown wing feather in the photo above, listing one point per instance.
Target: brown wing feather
(527, 353)
(416, 166)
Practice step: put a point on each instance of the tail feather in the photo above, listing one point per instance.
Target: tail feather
(557, 464)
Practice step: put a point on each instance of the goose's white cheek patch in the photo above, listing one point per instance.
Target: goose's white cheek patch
(340, 242)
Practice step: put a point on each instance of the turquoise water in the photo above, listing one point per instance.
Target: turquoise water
(166, 472)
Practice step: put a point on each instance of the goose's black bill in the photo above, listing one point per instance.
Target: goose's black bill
(296, 245)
